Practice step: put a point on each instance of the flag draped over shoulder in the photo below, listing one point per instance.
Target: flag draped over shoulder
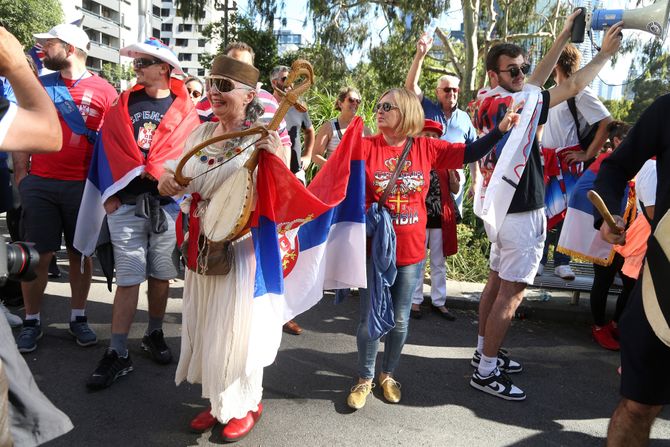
(117, 159)
(503, 167)
(306, 239)
(578, 237)
(559, 179)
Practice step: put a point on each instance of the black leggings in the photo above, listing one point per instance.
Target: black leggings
(602, 281)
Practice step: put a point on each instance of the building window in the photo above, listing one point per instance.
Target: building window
(202, 42)
(165, 12)
(156, 33)
(156, 11)
(185, 27)
(89, 5)
(181, 42)
(166, 27)
(185, 56)
(166, 41)
(201, 72)
(201, 28)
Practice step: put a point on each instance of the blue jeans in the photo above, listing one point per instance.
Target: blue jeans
(552, 237)
(401, 294)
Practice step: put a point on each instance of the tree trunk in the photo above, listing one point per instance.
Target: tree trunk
(470, 31)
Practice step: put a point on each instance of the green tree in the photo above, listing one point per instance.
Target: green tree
(25, 17)
(619, 108)
(650, 82)
(262, 41)
(115, 73)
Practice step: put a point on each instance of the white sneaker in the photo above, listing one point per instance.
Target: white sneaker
(564, 272)
(540, 270)
(13, 320)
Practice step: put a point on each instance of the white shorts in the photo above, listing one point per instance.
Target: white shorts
(138, 252)
(517, 252)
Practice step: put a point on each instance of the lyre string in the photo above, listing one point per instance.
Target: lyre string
(225, 161)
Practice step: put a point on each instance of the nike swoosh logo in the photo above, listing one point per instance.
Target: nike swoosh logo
(495, 386)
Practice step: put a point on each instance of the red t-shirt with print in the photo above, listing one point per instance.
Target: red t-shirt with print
(93, 95)
(407, 201)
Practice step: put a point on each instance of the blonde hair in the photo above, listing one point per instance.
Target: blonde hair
(411, 113)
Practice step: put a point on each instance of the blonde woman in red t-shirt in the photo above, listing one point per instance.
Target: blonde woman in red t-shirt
(399, 116)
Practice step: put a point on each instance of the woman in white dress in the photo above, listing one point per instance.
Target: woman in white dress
(217, 308)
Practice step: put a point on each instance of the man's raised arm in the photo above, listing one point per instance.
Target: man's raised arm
(422, 47)
(35, 127)
(544, 68)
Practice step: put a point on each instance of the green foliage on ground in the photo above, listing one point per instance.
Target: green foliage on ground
(25, 17)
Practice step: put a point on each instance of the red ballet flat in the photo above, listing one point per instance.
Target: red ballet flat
(237, 429)
(203, 421)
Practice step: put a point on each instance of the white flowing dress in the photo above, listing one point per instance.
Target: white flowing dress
(217, 310)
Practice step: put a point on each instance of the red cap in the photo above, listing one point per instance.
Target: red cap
(433, 126)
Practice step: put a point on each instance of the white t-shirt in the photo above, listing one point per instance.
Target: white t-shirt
(645, 184)
(560, 129)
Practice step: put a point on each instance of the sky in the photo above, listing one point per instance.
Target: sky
(451, 20)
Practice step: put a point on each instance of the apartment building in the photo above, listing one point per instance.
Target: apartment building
(113, 24)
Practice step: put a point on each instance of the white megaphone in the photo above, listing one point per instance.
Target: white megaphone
(652, 19)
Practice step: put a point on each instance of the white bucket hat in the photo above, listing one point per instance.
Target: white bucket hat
(68, 33)
(155, 48)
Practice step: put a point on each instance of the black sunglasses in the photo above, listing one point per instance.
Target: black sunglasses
(516, 71)
(450, 89)
(221, 85)
(385, 106)
(142, 62)
(354, 100)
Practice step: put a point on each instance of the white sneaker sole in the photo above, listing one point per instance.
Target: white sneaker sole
(494, 393)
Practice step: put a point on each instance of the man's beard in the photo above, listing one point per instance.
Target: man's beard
(56, 63)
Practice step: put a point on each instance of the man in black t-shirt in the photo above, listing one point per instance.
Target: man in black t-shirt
(295, 122)
(142, 222)
(517, 250)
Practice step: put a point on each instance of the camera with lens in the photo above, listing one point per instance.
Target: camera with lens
(18, 261)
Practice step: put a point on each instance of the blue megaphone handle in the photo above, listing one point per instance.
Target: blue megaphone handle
(604, 18)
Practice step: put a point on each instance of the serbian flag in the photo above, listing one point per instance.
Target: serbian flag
(117, 159)
(560, 179)
(204, 109)
(578, 237)
(305, 239)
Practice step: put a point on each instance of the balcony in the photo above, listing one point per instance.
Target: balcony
(104, 52)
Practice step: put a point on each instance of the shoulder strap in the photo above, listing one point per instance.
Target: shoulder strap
(396, 173)
(572, 105)
(60, 96)
(336, 125)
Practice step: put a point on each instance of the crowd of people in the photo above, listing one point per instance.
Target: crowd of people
(114, 182)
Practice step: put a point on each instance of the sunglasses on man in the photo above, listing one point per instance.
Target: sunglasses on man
(450, 89)
(516, 71)
(385, 106)
(221, 85)
(142, 62)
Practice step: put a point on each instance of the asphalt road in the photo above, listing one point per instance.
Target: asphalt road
(571, 385)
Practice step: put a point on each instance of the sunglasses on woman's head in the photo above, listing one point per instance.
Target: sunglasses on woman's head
(221, 85)
(142, 62)
(516, 71)
(354, 100)
(385, 106)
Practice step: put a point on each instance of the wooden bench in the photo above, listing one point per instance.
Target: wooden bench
(582, 283)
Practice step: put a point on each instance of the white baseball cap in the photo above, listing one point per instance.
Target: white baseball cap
(68, 33)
